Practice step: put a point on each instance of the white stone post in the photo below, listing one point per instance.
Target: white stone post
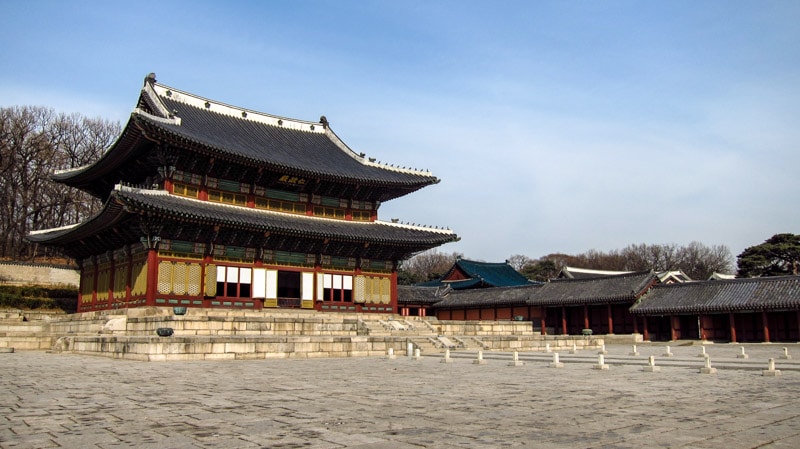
(447, 358)
(771, 371)
(556, 363)
(574, 349)
(479, 360)
(702, 351)
(668, 352)
(742, 354)
(651, 365)
(634, 352)
(515, 360)
(410, 350)
(786, 355)
(417, 355)
(390, 353)
(547, 347)
(602, 350)
(707, 369)
(601, 363)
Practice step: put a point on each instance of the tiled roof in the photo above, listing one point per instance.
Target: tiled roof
(252, 138)
(481, 274)
(489, 297)
(599, 290)
(411, 294)
(586, 273)
(127, 201)
(721, 296)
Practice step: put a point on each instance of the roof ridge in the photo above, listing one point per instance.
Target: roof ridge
(321, 127)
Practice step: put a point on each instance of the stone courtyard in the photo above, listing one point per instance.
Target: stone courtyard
(78, 401)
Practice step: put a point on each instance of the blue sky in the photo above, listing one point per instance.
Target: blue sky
(554, 126)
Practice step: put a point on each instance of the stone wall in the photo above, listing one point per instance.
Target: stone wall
(19, 273)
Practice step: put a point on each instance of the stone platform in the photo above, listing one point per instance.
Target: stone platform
(203, 334)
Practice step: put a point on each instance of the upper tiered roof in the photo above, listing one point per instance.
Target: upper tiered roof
(171, 127)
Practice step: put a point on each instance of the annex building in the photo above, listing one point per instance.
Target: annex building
(215, 206)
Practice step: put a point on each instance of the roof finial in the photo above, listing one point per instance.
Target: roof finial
(324, 121)
(150, 78)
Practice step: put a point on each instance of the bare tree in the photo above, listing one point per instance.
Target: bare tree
(427, 266)
(35, 142)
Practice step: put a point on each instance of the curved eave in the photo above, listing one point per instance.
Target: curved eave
(256, 220)
(374, 176)
(588, 300)
(89, 177)
(131, 203)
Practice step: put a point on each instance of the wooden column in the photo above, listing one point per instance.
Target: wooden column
(701, 331)
(636, 324)
(543, 319)
(765, 323)
(128, 275)
(95, 280)
(152, 277)
(672, 327)
(732, 324)
(585, 316)
(563, 320)
(646, 332)
(610, 320)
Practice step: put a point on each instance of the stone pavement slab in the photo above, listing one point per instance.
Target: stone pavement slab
(50, 400)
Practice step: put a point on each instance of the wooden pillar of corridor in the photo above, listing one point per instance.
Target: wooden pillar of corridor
(673, 332)
(586, 316)
(610, 320)
(732, 323)
(766, 325)
(563, 320)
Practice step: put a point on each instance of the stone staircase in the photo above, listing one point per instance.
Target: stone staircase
(228, 334)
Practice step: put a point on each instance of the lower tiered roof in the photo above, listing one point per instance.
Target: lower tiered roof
(129, 213)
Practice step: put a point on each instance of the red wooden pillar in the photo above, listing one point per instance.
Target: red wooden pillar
(152, 277)
(646, 335)
(673, 328)
(393, 287)
(701, 324)
(636, 324)
(765, 322)
(732, 323)
(112, 276)
(128, 275)
(95, 281)
(563, 320)
(543, 319)
(585, 316)
(610, 320)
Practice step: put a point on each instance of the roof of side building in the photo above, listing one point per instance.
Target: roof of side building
(722, 296)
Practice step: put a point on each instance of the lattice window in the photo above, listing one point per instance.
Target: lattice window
(139, 275)
(179, 278)
(165, 277)
(194, 279)
(87, 284)
(120, 280)
(386, 290)
(103, 278)
(211, 280)
(359, 290)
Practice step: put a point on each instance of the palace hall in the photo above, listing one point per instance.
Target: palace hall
(215, 206)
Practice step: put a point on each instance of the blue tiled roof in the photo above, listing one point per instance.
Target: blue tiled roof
(480, 274)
